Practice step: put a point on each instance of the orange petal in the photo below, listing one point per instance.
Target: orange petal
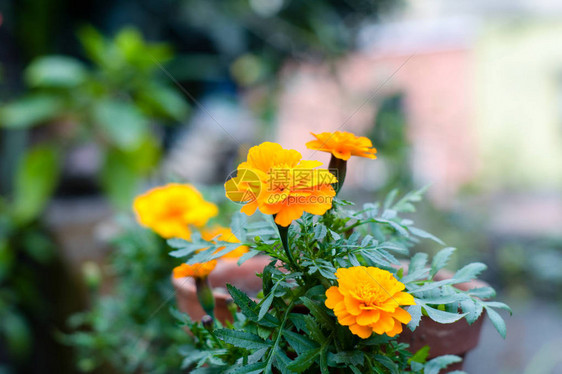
(363, 332)
(333, 297)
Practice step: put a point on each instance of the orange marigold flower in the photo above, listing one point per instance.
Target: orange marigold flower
(278, 182)
(343, 145)
(368, 300)
(198, 270)
(224, 234)
(169, 210)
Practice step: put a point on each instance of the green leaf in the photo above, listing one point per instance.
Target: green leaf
(435, 365)
(483, 292)
(298, 342)
(266, 303)
(439, 315)
(424, 234)
(162, 101)
(122, 123)
(255, 368)
(282, 361)
(55, 71)
(421, 355)
(35, 182)
(349, 358)
(388, 363)
(469, 272)
(119, 179)
(440, 260)
(178, 243)
(242, 339)
(30, 111)
(497, 304)
(416, 312)
(318, 312)
(497, 321)
(304, 360)
(238, 225)
(395, 247)
(417, 262)
(249, 308)
(389, 200)
(472, 308)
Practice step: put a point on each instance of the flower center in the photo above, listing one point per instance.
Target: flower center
(371, 295)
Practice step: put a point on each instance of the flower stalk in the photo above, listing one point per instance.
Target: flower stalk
(338, 167)
(205, 295)
(284, 236)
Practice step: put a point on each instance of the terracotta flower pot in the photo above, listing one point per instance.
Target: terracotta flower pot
(227, 271)
(456, 338)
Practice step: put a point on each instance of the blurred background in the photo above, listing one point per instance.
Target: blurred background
(101, 100)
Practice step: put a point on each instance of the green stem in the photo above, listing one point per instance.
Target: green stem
(338, 167)
(278, 337)
(284, 236)
(205, 295)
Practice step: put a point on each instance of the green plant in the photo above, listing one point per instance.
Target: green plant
(128, 329)
(332, 293)
(113, 102)
(266, 333)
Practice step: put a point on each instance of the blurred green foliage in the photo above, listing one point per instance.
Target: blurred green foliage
(114, 103)
(130, 330)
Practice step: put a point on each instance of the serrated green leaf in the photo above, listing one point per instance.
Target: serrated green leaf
(440, 260)
(242, 339)
(482, 292)
(497, 304)
(388, 363)
(435, 365)
(318, 312)
(469, 272)
(255, 368)
(350, 358)
(320, 232)
(178, 243)
(418, 261)
(304, 360)
(424, 234)
(439, 315)
(298, 342)
(416, 313)
(238, 224)
(266, 304)
(497, 321)
(249, 308)
(395, 247)
(472, 308)
(389, 200)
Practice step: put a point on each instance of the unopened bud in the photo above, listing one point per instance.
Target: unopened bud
(231, 306)
(207, 322)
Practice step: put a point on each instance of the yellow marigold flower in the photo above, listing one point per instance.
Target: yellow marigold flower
(169, 210)
(224, 234)
(278, 182)
(343, 145)
(198, 270)
(368, 300)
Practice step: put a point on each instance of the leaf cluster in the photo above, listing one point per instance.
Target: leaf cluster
(290, 330)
